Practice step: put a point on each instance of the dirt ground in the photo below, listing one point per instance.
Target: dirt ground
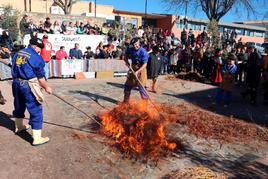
(67, 156)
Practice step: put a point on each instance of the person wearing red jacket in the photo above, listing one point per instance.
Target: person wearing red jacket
(46, 54)
(61, 54)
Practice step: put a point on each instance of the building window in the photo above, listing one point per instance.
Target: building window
(134, 21)
(227, 29)
(240, 31)
(180, 24)
(249, 33)
(259, 34)
(198, 27)
(221, 29)
(194, 26)
(189, 26)
(108, 21)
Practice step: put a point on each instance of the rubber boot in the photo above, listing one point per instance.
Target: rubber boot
(38, 139)
(19, 126)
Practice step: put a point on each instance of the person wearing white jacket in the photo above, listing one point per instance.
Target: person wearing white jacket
(174, 57)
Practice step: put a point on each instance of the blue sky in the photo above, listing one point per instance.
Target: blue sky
(156, 6)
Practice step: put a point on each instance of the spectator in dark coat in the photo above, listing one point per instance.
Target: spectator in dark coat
(24, 25)
(253, 75)
(104, 52)
(76, 53)
(184, 37)
(154, 66)
(64, 27)
(204, 36)
(89, 54)
(6, 41)
(191, 38)
(47, 26)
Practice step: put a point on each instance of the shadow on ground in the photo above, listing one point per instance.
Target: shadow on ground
(239, 108)
(119, 85)
(95, 97)
(244, 167)
(94, 125)
(6, 122)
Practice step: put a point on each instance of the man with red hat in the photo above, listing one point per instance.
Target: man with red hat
(46, 54)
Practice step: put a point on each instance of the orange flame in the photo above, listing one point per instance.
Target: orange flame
(137, 129)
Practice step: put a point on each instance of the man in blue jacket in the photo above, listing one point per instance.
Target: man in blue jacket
(76, 53)
(139, 58)
(28, 66)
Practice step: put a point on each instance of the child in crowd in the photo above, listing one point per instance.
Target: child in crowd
(226, 87)
(174, 57)
(217, 71)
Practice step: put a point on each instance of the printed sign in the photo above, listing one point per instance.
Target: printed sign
(68, 41)
(70, 67)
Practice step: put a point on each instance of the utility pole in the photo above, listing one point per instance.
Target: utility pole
(145, 19)
(25, 5)
(185, 19)
(30, 5)
(46, 7)
(95, 8)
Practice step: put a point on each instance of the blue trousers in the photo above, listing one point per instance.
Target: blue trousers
(223, 95)
(127, 92)
(24, 98)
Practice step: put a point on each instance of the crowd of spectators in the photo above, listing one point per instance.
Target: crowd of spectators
(27, 26)
(225, 64)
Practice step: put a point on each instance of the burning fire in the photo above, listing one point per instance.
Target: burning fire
(137, 130)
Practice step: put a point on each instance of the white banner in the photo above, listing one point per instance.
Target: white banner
(69, 67)
(68, 41)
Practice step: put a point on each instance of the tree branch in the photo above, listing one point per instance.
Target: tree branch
(65, 5)
(215, 9)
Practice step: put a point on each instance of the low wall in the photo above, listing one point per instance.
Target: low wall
(67, 68)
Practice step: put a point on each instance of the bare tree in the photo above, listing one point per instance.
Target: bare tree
(214, 9)
(66, 5)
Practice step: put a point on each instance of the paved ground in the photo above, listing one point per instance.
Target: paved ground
(68, 157)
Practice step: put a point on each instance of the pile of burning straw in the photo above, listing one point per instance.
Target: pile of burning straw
(137, 130)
